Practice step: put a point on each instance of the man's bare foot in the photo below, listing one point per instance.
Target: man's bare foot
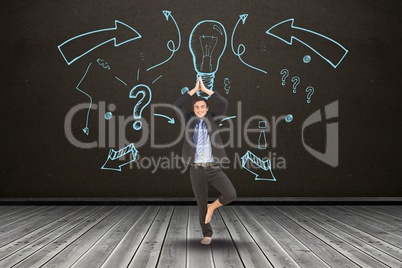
(211, 208)
(210, 212)
(206, 240)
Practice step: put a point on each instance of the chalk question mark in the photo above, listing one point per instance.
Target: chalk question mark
(296, 81)
(284, 73)
(146, 93)
(310, 92)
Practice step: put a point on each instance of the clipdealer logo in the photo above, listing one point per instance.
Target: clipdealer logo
(117, 137)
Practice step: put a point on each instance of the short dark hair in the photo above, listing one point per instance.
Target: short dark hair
(198, 98)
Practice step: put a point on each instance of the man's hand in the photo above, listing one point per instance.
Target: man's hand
(200, 86)
(196, 88)
(203, 88)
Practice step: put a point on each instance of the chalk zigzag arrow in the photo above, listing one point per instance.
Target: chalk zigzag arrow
(80, 45)
(170, 44)
(325, 42)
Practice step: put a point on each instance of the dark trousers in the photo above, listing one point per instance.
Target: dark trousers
(200, 177)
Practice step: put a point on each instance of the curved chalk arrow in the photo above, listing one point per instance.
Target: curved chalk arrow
(241, 47)
(171, 120)
(170, 44)
(80, 45)
(323, 42)
(226, 118)
(86, 129)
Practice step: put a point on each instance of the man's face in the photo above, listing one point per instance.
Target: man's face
(200, 109)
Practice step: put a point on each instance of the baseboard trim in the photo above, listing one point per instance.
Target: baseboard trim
(191, 201)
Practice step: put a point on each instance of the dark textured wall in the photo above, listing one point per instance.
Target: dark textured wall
(355, 71)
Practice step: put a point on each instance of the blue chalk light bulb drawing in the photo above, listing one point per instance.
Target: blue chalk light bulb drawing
(207, 43)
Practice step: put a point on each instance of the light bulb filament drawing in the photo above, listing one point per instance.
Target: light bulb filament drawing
(208, 44)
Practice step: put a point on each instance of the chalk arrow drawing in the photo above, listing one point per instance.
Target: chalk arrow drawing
(226, 118)
(263, 166)
(113, 162)
(170, 119)
(86, 128)
(287, 32)
(170, 44)
(80, 45)
(241, 48)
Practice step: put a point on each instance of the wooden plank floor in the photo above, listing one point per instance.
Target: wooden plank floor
(169, 236)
